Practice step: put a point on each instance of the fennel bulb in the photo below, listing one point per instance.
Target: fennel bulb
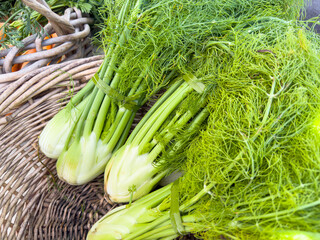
(54, 136)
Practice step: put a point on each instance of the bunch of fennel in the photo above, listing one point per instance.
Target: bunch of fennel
(147, 42)
(132, 171)
(254, 172)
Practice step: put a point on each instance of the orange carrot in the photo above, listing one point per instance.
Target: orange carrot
(47, 47)
(2, 35)
(18, 66)
(27, 52)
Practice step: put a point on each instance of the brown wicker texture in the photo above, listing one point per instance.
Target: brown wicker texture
(34, 204)
(72, 43)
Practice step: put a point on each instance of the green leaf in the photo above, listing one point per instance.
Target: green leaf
(85, 7)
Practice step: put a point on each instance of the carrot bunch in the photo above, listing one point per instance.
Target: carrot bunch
(18, 66)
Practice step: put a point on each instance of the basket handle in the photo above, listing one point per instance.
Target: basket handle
(61, 25)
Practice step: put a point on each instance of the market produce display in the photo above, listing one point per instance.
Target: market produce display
(235, 122)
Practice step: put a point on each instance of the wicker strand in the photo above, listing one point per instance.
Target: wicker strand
(60, 24)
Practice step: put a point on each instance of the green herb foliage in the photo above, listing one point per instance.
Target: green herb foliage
(261, 146)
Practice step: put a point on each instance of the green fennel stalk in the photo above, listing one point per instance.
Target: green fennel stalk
(133, 164)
